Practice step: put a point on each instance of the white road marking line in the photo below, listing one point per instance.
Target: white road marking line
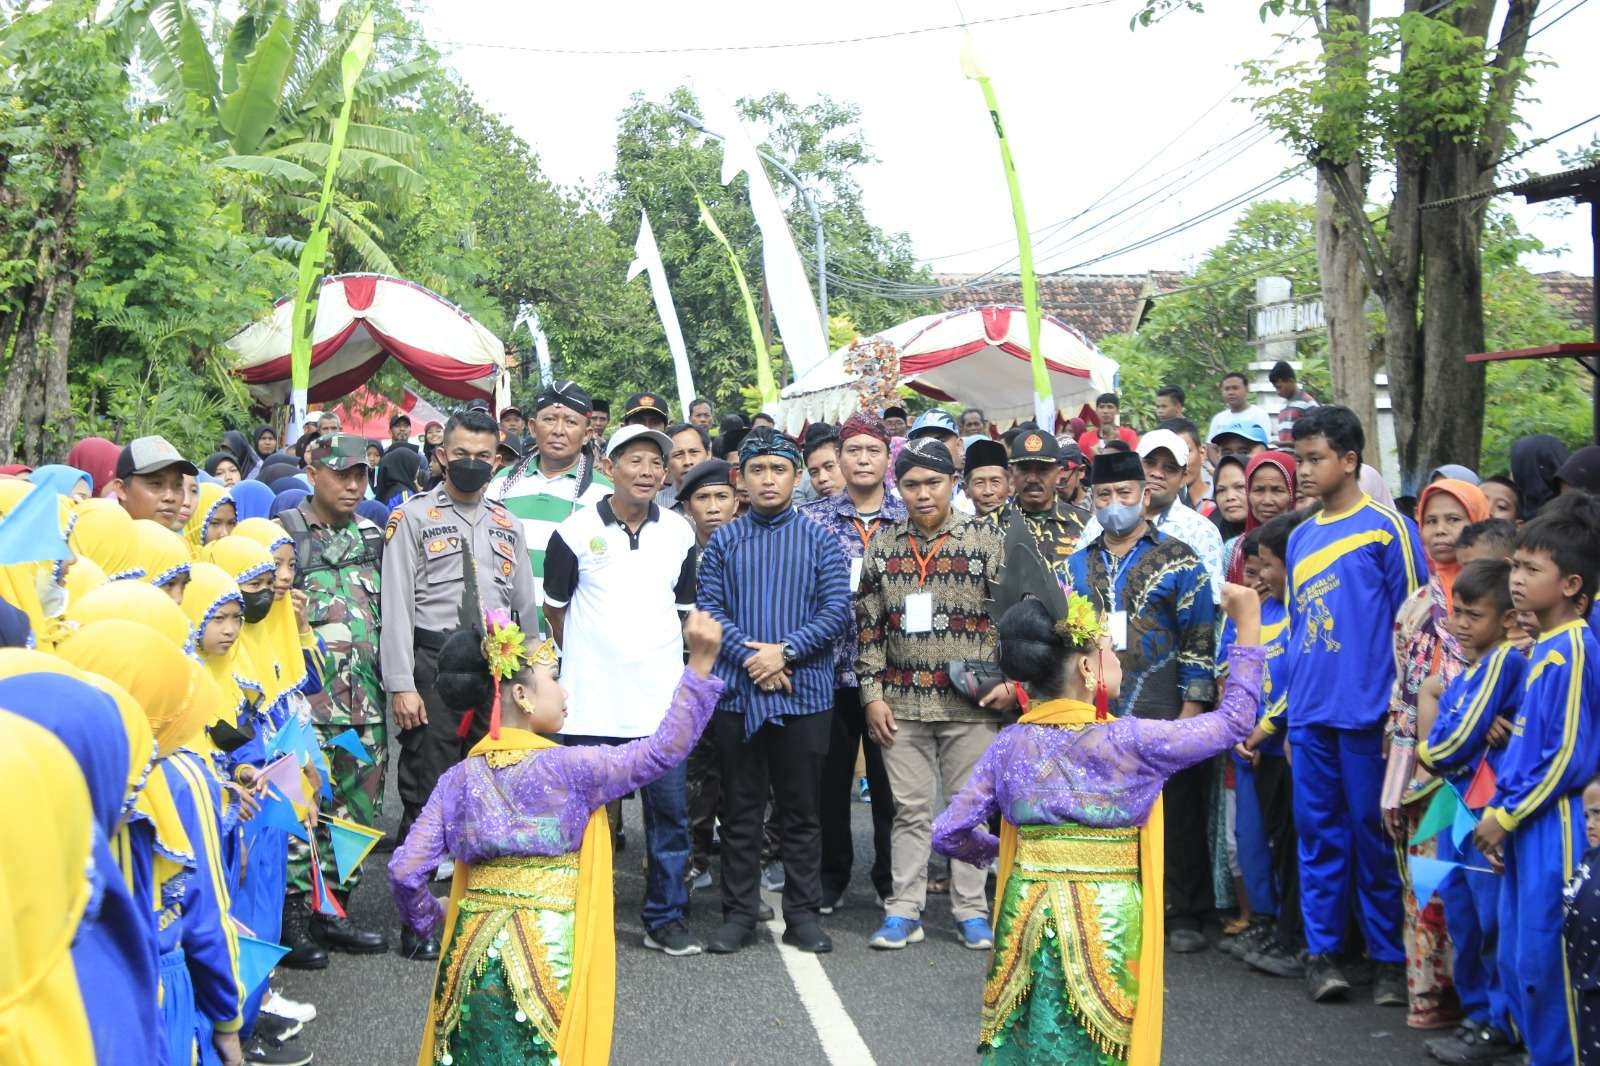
(841, 1040)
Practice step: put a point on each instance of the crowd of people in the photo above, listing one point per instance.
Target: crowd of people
(1114, 692)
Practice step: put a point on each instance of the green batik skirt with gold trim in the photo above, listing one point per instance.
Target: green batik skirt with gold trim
(1062, 985)
(501, 990)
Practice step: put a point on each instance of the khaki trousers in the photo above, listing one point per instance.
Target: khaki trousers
(924, 756)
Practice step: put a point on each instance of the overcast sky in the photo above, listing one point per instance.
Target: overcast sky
(1093, 109)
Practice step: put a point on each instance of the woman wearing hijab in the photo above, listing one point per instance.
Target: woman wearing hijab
(224, 467)
(103, 531)
(288, 483)
(286, 499)
(1424, 646)
(265, 440)
(1270, 485)
(244, 456)
(114, 952)
(398, 475)
(66, 481)
(374, 511)
(1534, 462)
(251, 499)
(98, 457)
(214, 516)
(135, 600)
(42, 861)
(199, 964)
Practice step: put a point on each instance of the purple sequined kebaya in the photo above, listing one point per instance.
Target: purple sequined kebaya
(1105, 775)
(538, 805)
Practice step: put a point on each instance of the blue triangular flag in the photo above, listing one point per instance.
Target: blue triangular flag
(350, 741)
(294, 736)
(1463, 826)
(31, 533)
(278, 813)
(320, 761)
(256, 960)
(1426, 876)
(351, 844)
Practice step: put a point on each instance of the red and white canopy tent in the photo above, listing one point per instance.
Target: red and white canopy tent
(367, 413)
(363, 319)
(976, 355)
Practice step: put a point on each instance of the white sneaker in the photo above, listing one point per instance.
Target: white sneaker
(446, 870)
(276, 1003)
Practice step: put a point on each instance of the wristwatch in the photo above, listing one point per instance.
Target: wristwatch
(789, 654)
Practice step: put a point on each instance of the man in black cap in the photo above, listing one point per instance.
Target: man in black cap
(149, 481)
(895, 420)
(400, 432)
(1035, 471)
(556, 479)
(645, 409)
(599, 420)
(987, 477)
(1154, 593)
(514, 426)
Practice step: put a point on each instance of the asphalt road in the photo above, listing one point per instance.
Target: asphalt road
(916, 1006)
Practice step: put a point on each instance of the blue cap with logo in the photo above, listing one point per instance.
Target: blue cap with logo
(934, 420)
(1239, 426)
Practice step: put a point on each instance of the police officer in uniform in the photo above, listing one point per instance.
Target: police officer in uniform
(1053, 526)
(337, 559)
(436, 541)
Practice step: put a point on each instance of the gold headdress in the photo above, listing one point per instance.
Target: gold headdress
(505, 647)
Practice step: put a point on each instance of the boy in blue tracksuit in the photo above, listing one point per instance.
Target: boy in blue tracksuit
(1533, 828)
(1471, 724)
(1350, 568)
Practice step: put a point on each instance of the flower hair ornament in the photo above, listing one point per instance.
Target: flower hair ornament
(1083, 626)
(505, 648)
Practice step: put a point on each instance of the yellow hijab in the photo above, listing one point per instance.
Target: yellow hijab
(210, 587)
(212, 497)
(1144, 1044)
(155, 672)
(585, 1035)
(266, 654)
(104, 533)
(159, 552)
(19, 583)
(126, 601)
(43, 892)
(279, 630)
(83, 577)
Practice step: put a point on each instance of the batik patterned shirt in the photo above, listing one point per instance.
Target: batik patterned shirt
(837, 514)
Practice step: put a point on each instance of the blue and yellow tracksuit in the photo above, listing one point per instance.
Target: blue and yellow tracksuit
(1348, 575)
(1554, 751)
(1490, 688)
(1261, 884)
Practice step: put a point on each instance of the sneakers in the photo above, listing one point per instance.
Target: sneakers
(1187, 941)
(1389, 985)
(276, 1030)
(1271, 956)
(975, 933)
(1241, 944)
(1324, 982)
(1471, 1043)
(264, 1052)
(863, 791)
(280, 1005)
(673, 939)
(896, 933)
(698, 878)
(772, 877)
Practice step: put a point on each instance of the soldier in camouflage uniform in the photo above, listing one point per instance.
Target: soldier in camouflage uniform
(338, 556)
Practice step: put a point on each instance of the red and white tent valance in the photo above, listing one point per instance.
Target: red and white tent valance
(363, 319)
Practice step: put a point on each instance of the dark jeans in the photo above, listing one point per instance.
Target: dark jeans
(838, 784)
(704, 787)
(666, 841)
(427, 751)
(1189, 895)
(1275, 792)
(786, 757)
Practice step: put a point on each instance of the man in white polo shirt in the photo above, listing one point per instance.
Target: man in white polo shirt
(618, 577)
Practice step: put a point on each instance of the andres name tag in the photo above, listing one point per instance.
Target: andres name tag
(918, 616)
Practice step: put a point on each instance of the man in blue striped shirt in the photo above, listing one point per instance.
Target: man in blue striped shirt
(779, 585)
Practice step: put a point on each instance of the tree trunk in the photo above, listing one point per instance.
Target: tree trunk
(1350, 359)
(1402, 327)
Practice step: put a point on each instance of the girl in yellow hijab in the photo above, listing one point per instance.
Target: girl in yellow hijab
(282, 659)
(133, 601)
(214, 518)
(163, 556)
(199, 963)
(104, 532)
(215, 609)
(297, 658)
(43, 893)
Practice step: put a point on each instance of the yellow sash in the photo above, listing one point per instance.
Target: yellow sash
(585, 1036)
(1144, 1047)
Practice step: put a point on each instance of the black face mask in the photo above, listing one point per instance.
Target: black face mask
(469, 475)
(257, 604)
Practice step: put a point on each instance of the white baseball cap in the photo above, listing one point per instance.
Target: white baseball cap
(628, 434)
(1157, 439)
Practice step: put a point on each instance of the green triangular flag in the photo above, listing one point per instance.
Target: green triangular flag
(351, 844)
(1441, 813)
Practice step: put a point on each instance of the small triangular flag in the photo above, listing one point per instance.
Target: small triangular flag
(31, 533)
(1481, 790)
(256, 960)
(350, 741)
(1441, 813)
(351, 844)
(1426, 876)
(294, 737)
(1465, 822)
(322, 901)
(279, 813)
(284, 774)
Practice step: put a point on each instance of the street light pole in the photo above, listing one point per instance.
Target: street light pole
(805, 198)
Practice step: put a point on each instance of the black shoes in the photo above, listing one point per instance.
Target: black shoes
(1187, 941)
(1471, 1043)
(1325, 982)
(341, 934)
(422, 949)
(304, 952)
(673, 939)
(729, 938)
(808, 936)
(1389, 984)
(1270, 956)
(764, 912)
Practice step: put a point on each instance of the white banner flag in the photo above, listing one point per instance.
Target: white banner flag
(527, 316)
(793, 305)
(647, 257)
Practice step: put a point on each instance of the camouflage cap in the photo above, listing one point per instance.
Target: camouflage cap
(341, 451)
